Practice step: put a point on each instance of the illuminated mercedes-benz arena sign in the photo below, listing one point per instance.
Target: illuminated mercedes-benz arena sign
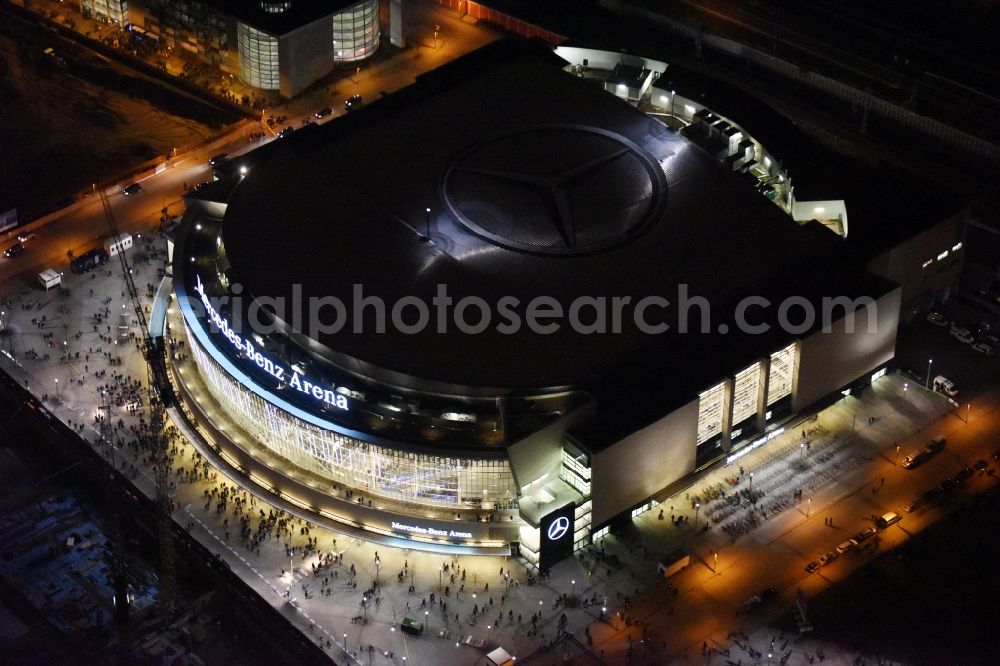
(558, 529)
(516, 180)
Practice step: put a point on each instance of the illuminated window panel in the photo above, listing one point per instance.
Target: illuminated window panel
(710, 404)
(258, 57)
(746, 389)
(356, 32)
(378, 470)
(779, 382)
(108, 11)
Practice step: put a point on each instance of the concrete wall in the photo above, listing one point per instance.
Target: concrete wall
(305, 55)
(541, 452)
(904, 263)
(828, 361)
(645, 462)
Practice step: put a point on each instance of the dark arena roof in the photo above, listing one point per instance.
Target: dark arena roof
(539, 183)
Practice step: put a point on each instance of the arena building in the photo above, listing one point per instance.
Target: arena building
(535, 417)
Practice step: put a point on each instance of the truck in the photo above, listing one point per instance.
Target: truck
(88, 261)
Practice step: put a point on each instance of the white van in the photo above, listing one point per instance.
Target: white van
(946, 386)
(887, 519)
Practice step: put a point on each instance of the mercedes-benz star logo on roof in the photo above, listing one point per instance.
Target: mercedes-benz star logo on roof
(558, 528)
(555, 189)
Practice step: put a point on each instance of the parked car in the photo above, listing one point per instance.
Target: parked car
(216, 160)
(913, 505)
(353, 103)
(990, 339)
(324, 112)
(937, 319)
(812, 566)
(916, 459)
(932, 494)
(759, 598)
(865, 534)
(13, 250)
(949, 484)
(982, 327)
(285, 132)
(967, 472)
(132, 189)
(962, 335)
(828, 558)
(981, 464)
(846, 546)
(936, 444)
(995, 455)
(25, 237)
(983, 348)
(887, 519)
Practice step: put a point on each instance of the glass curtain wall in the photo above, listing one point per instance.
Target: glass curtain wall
(379, 470)
(710, 412)
(779, 380)
(356, 32)
(746, 388)
(109, 11)
(258, 57)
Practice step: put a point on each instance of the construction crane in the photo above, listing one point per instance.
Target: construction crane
(159, 395)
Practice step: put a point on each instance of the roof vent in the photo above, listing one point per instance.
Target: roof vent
(275, 6)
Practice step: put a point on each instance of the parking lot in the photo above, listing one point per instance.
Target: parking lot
(925, 348)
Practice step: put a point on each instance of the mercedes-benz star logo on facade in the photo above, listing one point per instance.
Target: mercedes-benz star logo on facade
(555, 189)
(558, 528)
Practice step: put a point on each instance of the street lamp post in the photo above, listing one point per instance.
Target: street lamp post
(715, 567)
(896, 459)
(751, 483)
(672, 93)
(427, 226)
(802, 450)
(572, 588)
(58, 395)
(440, 575)
(968, 410)
(809, 504)
(927, 384)
(378, 563)
(697, 510)
(345, 642)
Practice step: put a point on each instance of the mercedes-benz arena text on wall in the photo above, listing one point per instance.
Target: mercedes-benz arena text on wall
(506, 181)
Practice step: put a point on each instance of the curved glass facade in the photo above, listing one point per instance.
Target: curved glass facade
(374, 469)
(356, 32)
(258, 57)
